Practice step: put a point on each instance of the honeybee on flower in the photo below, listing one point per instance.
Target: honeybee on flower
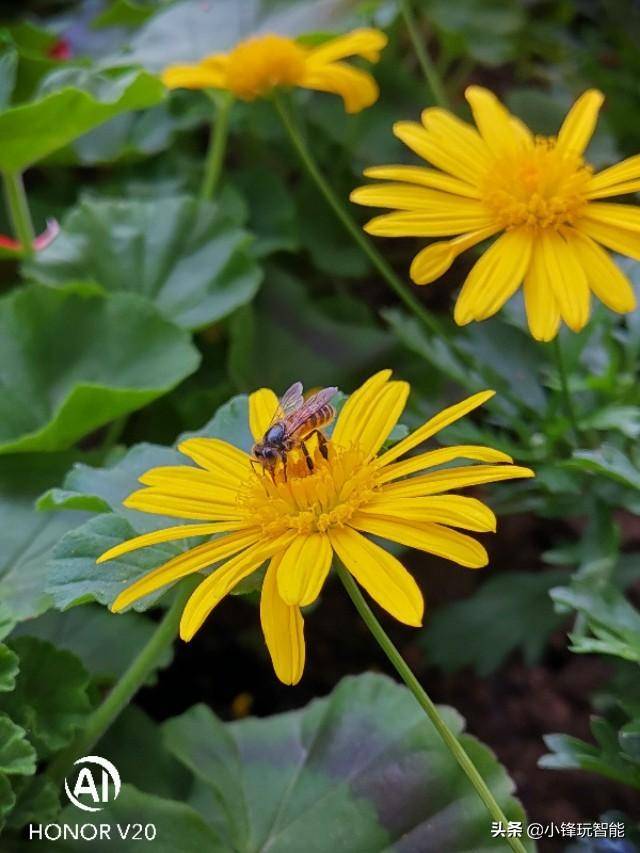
(299, 523)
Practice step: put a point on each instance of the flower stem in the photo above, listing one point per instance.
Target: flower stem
(428, 68)
(19, 210)
(309, 163)
(405, 673)
(564, 388)
(125, 689)
(217, 146)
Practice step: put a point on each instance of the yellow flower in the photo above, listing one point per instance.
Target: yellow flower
(256, 66)
(298, 524)
(537, 192)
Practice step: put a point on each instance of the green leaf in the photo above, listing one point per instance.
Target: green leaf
(7, 797)
(509, 611)
(71, 362)
(178, 826)
(17, 756)
(50, 699)
(610, 462)
(9, 667)
(37, 801)
(74, 578)
(123, 13)
(71, 101)
(612, 620)
(604, 758)
(194, 263)
(322, 774)
(284, 320)
(465, 25)
(629, 738)
(103, 641)
(8, 66)
(27, 535)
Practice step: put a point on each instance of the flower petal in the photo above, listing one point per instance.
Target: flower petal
(495, 277)
(357, 407)
(400, 196)
(438, 482)
(433, 261)
(263, 407)
(185, 564)
(621, 173)
(434, 425)
(618, 239)
(365, 42)
(381, 417)
(460, 138)
(169, 534)
(432, 538)
(580, 122)
(452, 510)
(439, 457)
(424, 177)
(357, 88)
(456, 217)
(203, 75)
(619, 215)
(565, 278)
(303, 569)
(213, 588)
(605, 278)
(454, 153)
(543, 314)
(227, 462)
(381, 574)
(493, 120)
(283, 628)
(161, 501)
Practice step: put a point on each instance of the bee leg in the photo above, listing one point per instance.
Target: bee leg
(322, 444)
(307, 457)
(283, 456)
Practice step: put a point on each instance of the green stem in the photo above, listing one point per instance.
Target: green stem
(428, 68)
(19, 210)
(217, 146)
(450, 740)
(564, 388)
(125, 689)
(309, 163)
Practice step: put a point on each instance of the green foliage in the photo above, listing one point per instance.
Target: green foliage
(196, 267)
(509, 611)
(70, 102)
(71, 362)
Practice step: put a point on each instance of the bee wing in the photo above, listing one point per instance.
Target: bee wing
(309, 408)
(291, 401)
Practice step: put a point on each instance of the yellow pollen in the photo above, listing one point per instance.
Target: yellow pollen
(541, 188)
(306, 500)
(259, 64)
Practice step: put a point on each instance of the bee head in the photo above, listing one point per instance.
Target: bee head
(268, 456)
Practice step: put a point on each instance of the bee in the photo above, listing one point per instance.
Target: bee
(295, 421)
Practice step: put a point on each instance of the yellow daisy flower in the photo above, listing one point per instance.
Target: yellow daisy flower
(538, 193)
(297, 524)
(256, 66)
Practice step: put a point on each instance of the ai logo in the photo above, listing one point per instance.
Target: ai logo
(94, 782)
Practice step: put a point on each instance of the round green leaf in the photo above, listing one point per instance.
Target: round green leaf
(71, 362)
(360, 770)
(186, 256)
(17, 756)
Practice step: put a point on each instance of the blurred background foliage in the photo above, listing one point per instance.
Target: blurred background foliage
(154, 306)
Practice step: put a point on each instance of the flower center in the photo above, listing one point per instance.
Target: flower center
(543, 187)
(259, 64)
(310, 500)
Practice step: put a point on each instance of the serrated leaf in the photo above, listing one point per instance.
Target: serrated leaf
(9, 667)
(37, 801)
(17, 756)
(74, 577)
(71, 101)
(27, 535)
(509, 611)
(323, 774)
(72, 362)
(195, 265)
(178, 826)
(50, 698)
